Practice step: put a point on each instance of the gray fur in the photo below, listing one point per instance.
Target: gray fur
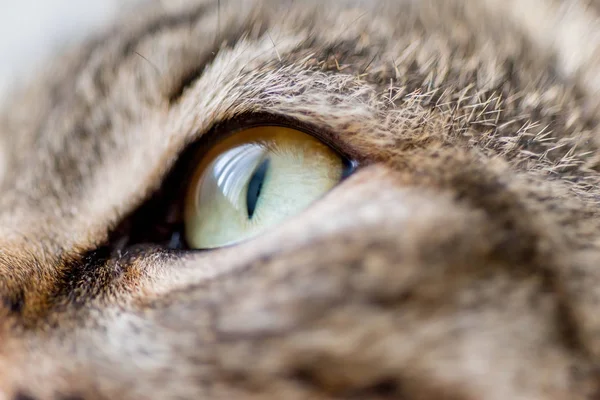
(459, 262)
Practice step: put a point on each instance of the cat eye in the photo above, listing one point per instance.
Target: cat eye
(254, 179)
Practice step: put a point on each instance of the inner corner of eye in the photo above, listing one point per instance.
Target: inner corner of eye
(255, 178)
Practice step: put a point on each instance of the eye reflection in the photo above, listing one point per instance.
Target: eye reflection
(255, 179)
(231, 171)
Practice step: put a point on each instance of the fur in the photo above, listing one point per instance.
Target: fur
(459, 262)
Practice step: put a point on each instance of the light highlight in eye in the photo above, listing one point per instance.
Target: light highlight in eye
(255, 179)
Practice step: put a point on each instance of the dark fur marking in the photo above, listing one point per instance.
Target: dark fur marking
(195, 73)
(86, 278)
(381, 389)
(157, 25)
(23, 396)
(14, 302)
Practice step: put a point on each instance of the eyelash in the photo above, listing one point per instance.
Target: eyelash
(159, 220)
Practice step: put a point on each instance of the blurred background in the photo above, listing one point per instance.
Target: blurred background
(31, 30)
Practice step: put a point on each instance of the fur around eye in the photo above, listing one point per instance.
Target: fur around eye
(255, 179)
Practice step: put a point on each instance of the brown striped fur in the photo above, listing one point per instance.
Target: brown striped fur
(461, 261)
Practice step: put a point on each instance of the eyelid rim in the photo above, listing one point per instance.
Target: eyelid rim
(193, 153)
(223, 129)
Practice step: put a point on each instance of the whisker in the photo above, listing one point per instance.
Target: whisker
(149, 62)
(275, 47)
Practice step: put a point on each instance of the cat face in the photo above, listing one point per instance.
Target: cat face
(457, 261)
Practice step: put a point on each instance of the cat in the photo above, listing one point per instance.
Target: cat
(459, 260)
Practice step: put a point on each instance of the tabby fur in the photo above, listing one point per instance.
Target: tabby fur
(460, 261)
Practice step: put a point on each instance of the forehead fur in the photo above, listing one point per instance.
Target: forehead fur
(461, 260)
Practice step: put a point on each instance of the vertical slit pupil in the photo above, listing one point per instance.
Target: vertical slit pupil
(255, 186)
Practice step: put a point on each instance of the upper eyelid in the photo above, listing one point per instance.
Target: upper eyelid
(195, 151)
(253, 120)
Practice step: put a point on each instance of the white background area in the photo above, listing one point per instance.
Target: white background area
(31, 30)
